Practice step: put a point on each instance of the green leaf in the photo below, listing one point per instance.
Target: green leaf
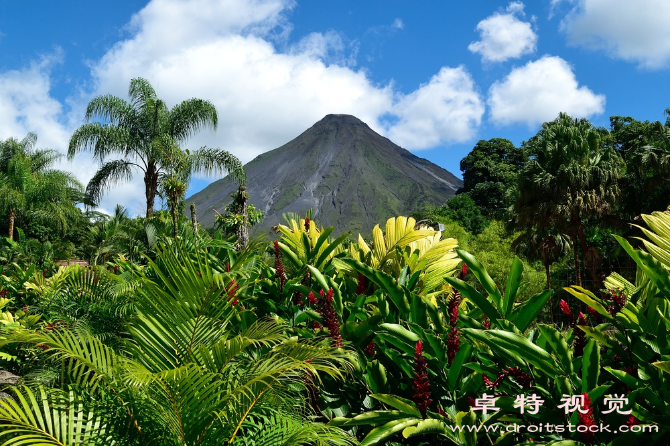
(456, 367)
(401, 332)
(469, 437)
(381, 433)
(402, 404)
(518, 345)
(590, 366)
(524, 315)
(480, 273)
(316, 274)
(513, 282)
(476, 297)
(559, 347)
(589, 299)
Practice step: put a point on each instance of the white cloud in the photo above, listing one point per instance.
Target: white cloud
(538, 91)
(266, 97)
(398, 24)
(448, 108)
(234, 53)
(26, 105)
(637, 31)
(504, 36)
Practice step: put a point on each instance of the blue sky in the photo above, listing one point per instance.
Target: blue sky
(433, 76)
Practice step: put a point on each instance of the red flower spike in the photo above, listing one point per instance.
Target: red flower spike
(116, 269)
(565, 309)
(454, 337)
(617, 298)
(487, 323)
(361, 286)
(586, 419)
(631, 420)
(464, 271)
(329, 317)
(306, 224)
(370, 349)
(421, 384)
(279, 267)
(311, 298)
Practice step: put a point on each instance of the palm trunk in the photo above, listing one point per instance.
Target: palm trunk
(194, 220)
(12, 216)
(546, 271)
(174, 221)
(242, 231)
(575, 249)
(150, 187)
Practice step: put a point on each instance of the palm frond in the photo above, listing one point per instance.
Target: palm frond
(109, 175)
(190, 116)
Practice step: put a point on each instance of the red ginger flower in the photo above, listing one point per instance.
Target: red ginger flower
(454, 337)
(360, 287)
(370, 349)
(279, 267)
(421, 384)
(631, 420)
(306, 224)
(618, 299)
(586, 419)
(311, 298)
(329, 317)
(487, 322)
(464, 271)
(565, 309)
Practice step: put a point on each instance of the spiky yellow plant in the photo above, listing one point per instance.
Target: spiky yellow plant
(421, 249)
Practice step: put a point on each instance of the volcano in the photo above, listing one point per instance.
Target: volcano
(351, 177)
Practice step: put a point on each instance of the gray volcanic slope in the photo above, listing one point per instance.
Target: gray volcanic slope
(352, 177)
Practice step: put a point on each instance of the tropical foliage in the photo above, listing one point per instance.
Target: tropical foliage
(447, 328)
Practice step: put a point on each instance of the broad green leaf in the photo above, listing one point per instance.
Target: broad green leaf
(590, 366)
(480, 273)
(402, 404)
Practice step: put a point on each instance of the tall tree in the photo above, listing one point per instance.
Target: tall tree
(144, 134)
(571, 176)
(644, 147)
(489, 172)
(31, 189)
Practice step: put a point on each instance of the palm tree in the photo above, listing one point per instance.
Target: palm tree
(30, 189)
(571, 176)
(144, 133)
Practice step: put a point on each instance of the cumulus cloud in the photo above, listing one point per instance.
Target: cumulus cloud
(235, 54)
(398, 24)
(448, 108)
(538, 91)
(26, 104)
(637, 31)
(504, 36)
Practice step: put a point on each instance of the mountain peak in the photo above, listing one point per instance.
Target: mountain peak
(352, 178)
